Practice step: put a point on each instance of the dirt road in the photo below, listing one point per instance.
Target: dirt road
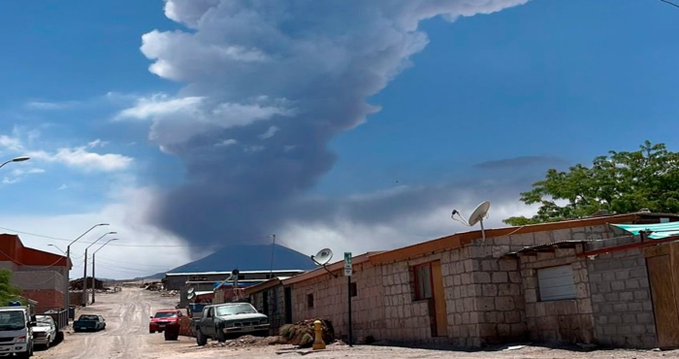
(126, 337)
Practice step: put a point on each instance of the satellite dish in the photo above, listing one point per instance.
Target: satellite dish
(322, 257)
(190, 293)
(479, 213)
(235, 272)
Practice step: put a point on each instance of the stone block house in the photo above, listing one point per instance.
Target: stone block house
(41, 276)
(578, 281)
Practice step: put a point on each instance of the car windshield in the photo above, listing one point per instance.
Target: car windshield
(232, 309)
(12, 320)
(166, 315)
(88, 317)
(43, 322)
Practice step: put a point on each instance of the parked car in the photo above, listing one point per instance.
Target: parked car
(221, 320)
(44, 331)
(168, 321)
(89, 322)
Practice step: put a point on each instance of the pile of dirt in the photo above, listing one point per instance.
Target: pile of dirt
(302, 333)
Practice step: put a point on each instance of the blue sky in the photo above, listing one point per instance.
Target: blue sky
(338, 124)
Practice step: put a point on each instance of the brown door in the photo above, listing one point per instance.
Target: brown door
(439, 304)
(663, 271)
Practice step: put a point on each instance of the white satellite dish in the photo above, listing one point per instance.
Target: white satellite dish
(190, 293)
(322, 257)
(478, 215)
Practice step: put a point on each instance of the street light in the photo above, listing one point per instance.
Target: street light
(68, 260)
(55, 246)
(85, 268)
(94, 289)
(16, 159)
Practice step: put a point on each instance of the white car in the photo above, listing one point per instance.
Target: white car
(45, 331)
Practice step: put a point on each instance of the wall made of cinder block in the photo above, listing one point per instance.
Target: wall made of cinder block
(621, 300)
(558, 321)
(331, 302)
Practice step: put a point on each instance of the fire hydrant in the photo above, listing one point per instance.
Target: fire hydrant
(318, 336)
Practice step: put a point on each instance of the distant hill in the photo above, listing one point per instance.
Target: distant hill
(248, 257)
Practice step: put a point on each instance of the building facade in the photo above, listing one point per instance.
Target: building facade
(580, 281)
(41, 276)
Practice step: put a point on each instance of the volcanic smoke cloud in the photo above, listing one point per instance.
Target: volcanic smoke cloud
(267, 85)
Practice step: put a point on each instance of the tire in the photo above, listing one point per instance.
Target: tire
(171, 333)
(24, 355)
(47, 344)
(219, 334)
(200, 338)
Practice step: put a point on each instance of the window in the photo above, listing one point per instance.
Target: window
(310, 300)
(422, 274)
(353, 291)
(556, 283)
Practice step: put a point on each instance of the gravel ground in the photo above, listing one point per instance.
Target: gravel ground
(126, 337)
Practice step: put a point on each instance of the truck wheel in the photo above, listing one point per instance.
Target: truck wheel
(221, 337)
(200, 338)
(171, 333)
(47, 344)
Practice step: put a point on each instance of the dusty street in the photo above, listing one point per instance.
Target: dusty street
(126, 336)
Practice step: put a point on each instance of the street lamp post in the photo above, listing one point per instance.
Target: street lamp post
(16, 159)
(68, 260)
(85, 268)
(93, 266)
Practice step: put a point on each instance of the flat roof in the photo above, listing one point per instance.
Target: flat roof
(176, 274)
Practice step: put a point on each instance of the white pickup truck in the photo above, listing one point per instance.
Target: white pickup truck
(16, 332)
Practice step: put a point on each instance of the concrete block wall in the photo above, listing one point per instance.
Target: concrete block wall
(491, 309)
(621, 300)
(560, 321)
(330, 302)
(276, 306)
(406, 319)
(36, 280)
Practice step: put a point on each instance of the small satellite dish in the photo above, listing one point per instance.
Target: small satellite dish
(190, 293)
(322, 257)
(479, 213)
(235, 272)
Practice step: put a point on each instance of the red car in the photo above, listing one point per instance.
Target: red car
(163, 319)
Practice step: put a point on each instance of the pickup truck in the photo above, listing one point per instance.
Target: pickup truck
(221, 320)
(16, 331)
(89, 322)
(45, 331)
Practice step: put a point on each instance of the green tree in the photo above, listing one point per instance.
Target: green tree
(8, 292)
(621, 182)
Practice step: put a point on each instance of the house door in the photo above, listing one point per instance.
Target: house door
(663, 272)
(429, 287)
(287, 297)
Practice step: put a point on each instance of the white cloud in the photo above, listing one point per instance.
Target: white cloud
(11, 143)
(178, 120)
(226, 143)
(269, 133)
(343, 234)
(126, 258)
(82, 159)
(51, 106)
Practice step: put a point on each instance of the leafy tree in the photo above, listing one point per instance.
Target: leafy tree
(8, 292)
(621, 182)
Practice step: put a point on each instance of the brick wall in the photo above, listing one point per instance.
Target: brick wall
(406, 319)
(47, 299)
(276, 306)
(621, 299)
